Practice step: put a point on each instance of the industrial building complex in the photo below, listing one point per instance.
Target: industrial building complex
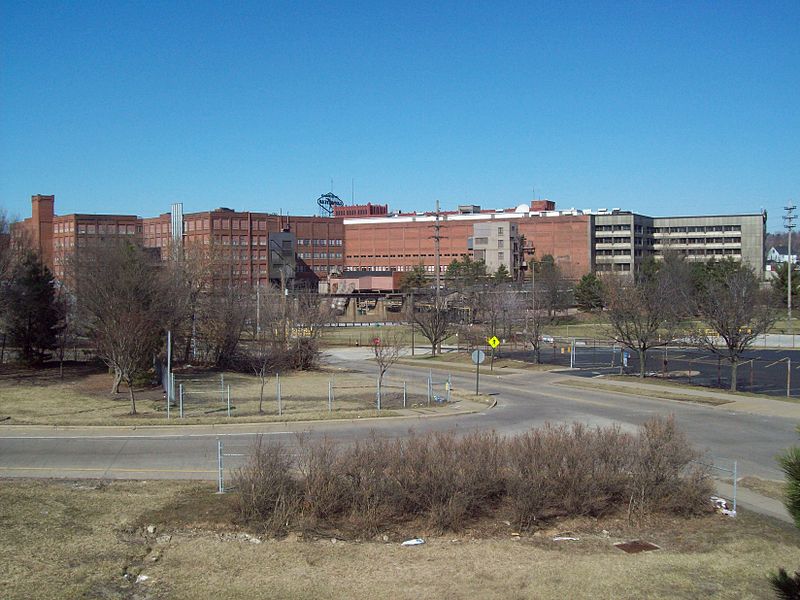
(370, 240)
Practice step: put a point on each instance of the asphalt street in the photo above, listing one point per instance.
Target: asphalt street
(524, 400)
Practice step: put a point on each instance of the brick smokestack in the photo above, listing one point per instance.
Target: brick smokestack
(42, 211)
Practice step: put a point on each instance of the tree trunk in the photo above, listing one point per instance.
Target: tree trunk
(129, 381)
(642, 362)
(117, 381)
(734, 365)
(261, 396)
(537, 357)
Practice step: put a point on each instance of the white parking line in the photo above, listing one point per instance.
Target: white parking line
(143, 437)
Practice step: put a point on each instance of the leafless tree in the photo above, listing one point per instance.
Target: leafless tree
(68, 324)
(388, 349)
(535, 319)
(642, 314)
(736, 311)
(190, 274)
(551, 286)
(121, 298)
(434, 318)
(222, 316)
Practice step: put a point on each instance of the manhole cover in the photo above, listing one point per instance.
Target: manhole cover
(636, 546)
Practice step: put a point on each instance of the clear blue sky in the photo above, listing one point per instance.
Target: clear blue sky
(665, 108)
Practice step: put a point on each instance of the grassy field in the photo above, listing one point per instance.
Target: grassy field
(638, 391)
(64, 539)
(677, 385)
(82, 397)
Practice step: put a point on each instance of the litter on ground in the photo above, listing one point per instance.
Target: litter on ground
(414, 542)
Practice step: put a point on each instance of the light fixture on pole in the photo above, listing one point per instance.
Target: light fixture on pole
(788, 220)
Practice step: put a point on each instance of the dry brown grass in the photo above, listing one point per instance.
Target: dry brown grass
(639, 391)
(70, 540)
(82, 398)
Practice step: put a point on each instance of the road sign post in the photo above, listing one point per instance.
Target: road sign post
(478, 357)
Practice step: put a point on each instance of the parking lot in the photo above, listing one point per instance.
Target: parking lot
(761, 370)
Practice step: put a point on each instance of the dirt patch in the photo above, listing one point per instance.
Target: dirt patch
(164, 539)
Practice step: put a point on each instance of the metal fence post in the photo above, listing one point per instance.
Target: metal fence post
(330, 396)
(278, 392)
(449, 385)
(180, 396)
(404, 394)
(788, 376)
(429, 390)
(220, 484)
(168, 399)
(735, 475)
(229, 399)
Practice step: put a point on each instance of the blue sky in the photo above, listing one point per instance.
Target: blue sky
(664, 108)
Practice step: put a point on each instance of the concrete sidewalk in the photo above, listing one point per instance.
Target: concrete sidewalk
(754, 502)
(766, 405)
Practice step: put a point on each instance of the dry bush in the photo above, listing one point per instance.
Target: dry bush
(327, 491)
(560, 470)
(266, 490)
(664, 478)
(449, 481)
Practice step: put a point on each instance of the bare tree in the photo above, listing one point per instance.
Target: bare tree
(642, 314)
(121, 297)
(736, 310)
(551, 286)
(223, 312)
(535, 320)
(434, 318)
(388, 350)
(190, 274)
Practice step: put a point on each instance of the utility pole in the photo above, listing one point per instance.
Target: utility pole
(788, 220)
(437, 238)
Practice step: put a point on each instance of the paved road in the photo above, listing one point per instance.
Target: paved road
(525, 399)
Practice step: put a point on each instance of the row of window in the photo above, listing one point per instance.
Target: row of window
(306, 242)
(305, 255)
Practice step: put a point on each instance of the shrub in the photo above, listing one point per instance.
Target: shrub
(449, 480)
(266, 490)
(663, 477)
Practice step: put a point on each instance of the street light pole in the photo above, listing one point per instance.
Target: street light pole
(789, 222)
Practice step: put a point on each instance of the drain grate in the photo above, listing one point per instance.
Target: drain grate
(636, 546)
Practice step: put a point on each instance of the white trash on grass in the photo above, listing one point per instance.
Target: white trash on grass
(414, 542)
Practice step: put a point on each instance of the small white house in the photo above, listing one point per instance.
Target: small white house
(779, 254)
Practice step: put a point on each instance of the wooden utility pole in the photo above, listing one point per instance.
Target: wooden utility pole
(437, 239)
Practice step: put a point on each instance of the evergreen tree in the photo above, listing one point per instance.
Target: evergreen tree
(589, 293)
(31, 311)
(781, 283)
(502, 275)
(785, 585)
(414, 279)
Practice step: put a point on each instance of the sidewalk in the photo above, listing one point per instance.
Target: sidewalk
(767, 406)
(752, 501)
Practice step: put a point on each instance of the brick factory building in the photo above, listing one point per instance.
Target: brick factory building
(401, 241)
(258, 246)
(305, 250)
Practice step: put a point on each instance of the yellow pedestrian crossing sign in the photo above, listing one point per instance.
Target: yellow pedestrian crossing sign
(493, 341)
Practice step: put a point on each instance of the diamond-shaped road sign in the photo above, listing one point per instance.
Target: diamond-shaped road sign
(493, 341)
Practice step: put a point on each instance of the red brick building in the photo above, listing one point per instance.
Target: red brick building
(403, 240)
(254, 243)
(58, 237)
